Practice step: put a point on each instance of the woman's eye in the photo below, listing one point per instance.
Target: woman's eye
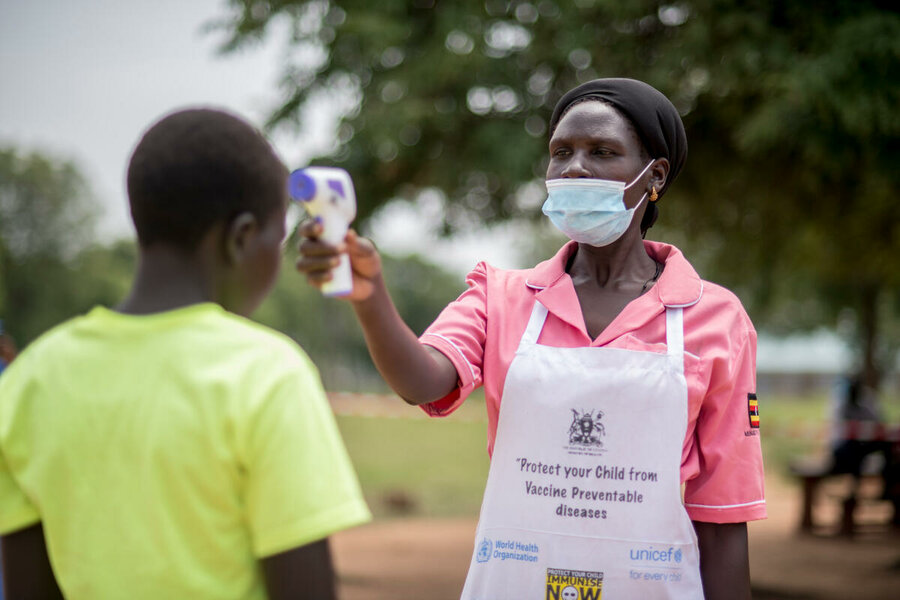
(560, 152)
(603, 152)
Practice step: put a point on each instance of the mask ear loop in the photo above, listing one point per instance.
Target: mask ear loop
(635, 180)
(651, 206)
(641, 174)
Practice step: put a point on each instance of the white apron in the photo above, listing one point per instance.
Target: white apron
(583, 498)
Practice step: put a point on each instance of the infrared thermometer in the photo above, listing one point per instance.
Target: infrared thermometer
(327, 195)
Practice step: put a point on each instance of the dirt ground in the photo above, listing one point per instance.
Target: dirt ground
(419, 559)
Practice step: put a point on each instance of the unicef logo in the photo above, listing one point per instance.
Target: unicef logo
(484, 550)
(653, 555)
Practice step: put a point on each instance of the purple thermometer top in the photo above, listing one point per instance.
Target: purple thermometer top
(301, 186)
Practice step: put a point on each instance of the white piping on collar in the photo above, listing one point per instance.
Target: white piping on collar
(691, 303)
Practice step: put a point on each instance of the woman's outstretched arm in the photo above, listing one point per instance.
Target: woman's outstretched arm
(418, 373)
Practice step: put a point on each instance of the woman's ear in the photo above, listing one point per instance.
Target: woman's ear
(239, 235)
(659, 173)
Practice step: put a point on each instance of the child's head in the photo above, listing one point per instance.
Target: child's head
(195, 168)
(204, 182)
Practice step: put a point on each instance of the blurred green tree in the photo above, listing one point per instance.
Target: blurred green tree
(790, 109)
(47, 214)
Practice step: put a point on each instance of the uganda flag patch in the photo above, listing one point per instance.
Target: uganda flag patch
(753, 410)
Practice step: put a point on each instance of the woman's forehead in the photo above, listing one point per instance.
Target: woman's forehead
(593, 119)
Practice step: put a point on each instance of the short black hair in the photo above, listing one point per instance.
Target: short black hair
(197, 167)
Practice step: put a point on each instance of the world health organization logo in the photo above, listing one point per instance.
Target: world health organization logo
(484, 550)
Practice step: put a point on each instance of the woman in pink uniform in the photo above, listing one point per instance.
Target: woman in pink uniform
(622, 417)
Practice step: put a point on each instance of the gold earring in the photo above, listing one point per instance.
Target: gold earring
(653, 195)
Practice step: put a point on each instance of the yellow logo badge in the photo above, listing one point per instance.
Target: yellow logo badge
(566, 584)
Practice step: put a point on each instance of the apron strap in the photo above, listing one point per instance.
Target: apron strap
(535, 324)
(675, 333)
(674, 329)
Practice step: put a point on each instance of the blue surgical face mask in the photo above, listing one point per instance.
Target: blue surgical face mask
(590, 211)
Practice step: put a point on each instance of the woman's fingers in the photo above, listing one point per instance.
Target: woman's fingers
(310, 228)
(314, 275)
(317, 258)
(363, 255)
(314, 264)
(316, 247)
(359, 246)
(311, 245)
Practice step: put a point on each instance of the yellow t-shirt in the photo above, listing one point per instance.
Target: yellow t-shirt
(165, 454)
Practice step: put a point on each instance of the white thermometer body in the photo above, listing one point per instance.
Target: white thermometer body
(327, 194)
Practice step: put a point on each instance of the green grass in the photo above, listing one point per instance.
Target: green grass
(792, 427)
(425, 467)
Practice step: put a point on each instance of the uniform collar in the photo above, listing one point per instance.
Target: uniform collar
(678, 286)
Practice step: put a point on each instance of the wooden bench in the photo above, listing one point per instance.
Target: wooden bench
(814, 471)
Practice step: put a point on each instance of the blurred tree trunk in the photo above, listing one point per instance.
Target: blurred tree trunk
(869, 335)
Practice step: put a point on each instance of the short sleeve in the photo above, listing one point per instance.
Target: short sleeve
(459, 333)
(300, 484)
(730, 485)
(16, 511)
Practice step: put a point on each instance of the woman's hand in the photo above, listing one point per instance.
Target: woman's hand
(318, 258)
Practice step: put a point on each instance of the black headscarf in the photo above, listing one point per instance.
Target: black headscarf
(655, 118)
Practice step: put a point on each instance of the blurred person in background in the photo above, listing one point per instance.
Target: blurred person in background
(8, 348)
(857, 446)
(852, 404)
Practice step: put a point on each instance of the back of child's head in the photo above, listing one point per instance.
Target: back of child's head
(195, 168)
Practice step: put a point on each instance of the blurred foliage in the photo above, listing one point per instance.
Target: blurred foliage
(49, 268)
(790, 110)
